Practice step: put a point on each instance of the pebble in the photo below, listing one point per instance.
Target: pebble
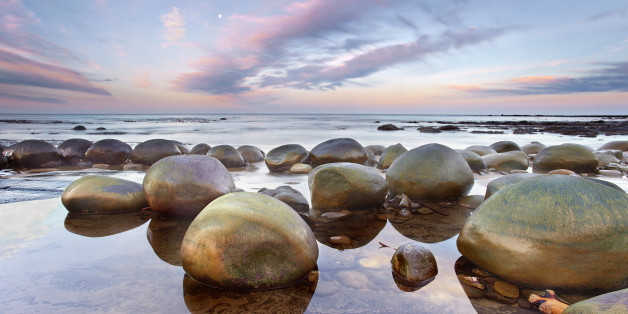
(300, 169)
(382, 217)
(496, 297)
(424, 211)
(352, 279)
(405, 201)
(341, 240)
(565, 172)
(404, 214)
(471, 281)
(312, 276)
(506, 289)
(610, 173)
(480, 272)
(473, 293)
(523, 303)
(333, 216)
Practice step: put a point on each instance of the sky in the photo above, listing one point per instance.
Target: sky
(314, 56)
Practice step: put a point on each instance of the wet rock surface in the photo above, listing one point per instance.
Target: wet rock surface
(151, 151)
(281, 158)
(288, 195)
(566, 156)
(228, 156)
(73, 150)
(251, 153)
(108, 151)
(95, 194)
(35, 154)
(338, 150)
(389, 155)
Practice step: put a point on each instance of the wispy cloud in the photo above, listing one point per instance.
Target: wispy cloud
(174, 26)
(50, 100)
(612, 78)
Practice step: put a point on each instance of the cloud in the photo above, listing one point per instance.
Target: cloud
(50, 100)
(348, 39)
(612, 78)
(21, 71)
(174, 26)
(619, 13)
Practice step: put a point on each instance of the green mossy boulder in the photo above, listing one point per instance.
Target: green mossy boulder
(474, 160)
(615, 302)
(574, 157)
(338, 150)
(228, 156)
(181, 186)
(554, 231)
(505, 146)
(248, 241)
(508, 161)
(506, 180)
(200, 149)
(94, 194)
(389, 155)
(346, 185)
(376, 149)
(431, 172)
(280, 159)
(481, 150)
(151, 151)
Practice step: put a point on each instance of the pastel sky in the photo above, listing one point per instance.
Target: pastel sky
(314, 56)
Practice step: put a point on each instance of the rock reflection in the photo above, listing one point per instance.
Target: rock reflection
(165, 237)
(434, 227)
(407, 285)
(103, 225)
(348, 232)
(200, 298)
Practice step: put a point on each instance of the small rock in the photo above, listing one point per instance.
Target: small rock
(480, 272)
(610, 173)
(501, 299)
(506, 289)
(333, 216)
(565, 172)
(424, 211)
(389, 127)
(404, 214)
(405, 201)
(79, 128)
(313, 276)
(470, 281)
(473, 293)
(300, 168)
(523, 303)
(382, 217)
(341, 240)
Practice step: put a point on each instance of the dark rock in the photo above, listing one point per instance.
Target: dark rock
(449, 127)
(228, 156)
(288, 195)
(200, 149)
(414, 262)
(101, 128)
(389, 127)
(566, 156)
(93, 194)
(390, 154)
(338, 150)
(79, 128)
(181, 186)
(108, 151)
(74, 149)
(505, 146)
(35, 154)
(428, 129)
(496, 297)
(251, 153)
(280, 159)
(151, 151)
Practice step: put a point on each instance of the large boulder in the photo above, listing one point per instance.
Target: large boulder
(94, 194)
(108, 151)
(228, 156)
(566, 156)
(389, 155)
(481, 150)
(182, 147)
(505, 146)
(431, 172)
(473, 159)
(532, 148)
(181, 186)
(346, 185)
(508, 161)
(288, 195)
(251, 153)
(280, 159)
(553, 231)
(36, 154)
(248, 241)
(338, 150)
(497, 184)
(376, 149)
(151, 151)
(615, 302)
(200, 149)
(619, 145)
(73, 150)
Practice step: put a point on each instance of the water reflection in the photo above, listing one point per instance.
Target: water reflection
(200, 298)
(434, 227)
(360, 227)
(165, 237)
(103, 225)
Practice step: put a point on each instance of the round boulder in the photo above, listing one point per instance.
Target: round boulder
(609, 303)
(288, 195)
(414, 263)
(182, 148)
(108, 151)
(94, 194)
(248, 241)
(346, 185)
(508, 161)
(389, 155)
(532, 148)
(36, 154)
(181, 186)
(505, 146)
(74, 149)
(563, 232)
(200, 149)
(481, 150)
(151, 151)
(618, 145)
(280, 159)
(338, 150)
(506, 180)
(474, 160)
(431, 172)
(566, 156)
(376, 149)
(228, 156)
(251, 153)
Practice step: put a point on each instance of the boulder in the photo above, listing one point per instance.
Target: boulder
(280, 159)
(481, 150)
(609, 303)
(607, 183)
(371, 159)
(508, 161)
(505, 146)
(506, 180)
(94, 194)
(151, 151)
(376, 149)
(338, 150)
(288, 195)
(200, 149)
(474, 160)
(275, 247)
(4, 163)
(563, 232)
(228, 156)
(431, 172)
(618, 145)
(414, 263)
(532, 148)
(251, 153)
(389, 127)
(346, 186)
(182, 148)
(36, 154)
(566, 156)
(74, 149)
(389, 155)
(108, 151)
(300, 168)
(606, 157)
(181, 186)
